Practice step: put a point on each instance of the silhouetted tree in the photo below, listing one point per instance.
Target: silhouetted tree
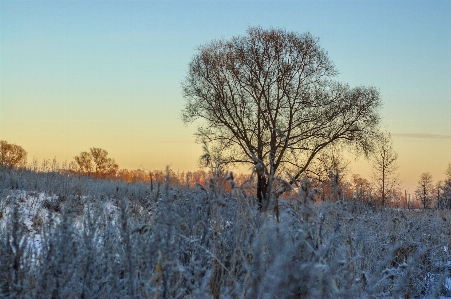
(447, 187)
(85, 163)
(269, 96)
(425, 189)
(328, 172)
(96, 163)
(12, 155)
(362, 188)
(440, 195)
(384, 164)
(104, 166)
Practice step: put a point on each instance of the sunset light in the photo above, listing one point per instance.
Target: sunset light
(77, 74)
(225, 149)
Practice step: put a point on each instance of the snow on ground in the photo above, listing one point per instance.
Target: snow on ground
(35, 207)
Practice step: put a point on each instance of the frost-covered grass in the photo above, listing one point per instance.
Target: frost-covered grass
(69, 237)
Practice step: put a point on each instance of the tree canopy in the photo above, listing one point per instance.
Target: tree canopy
(270, 97)
(96, 163)
(12, 155)
(424, 189)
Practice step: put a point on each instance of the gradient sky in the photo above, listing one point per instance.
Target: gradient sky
(81, 74)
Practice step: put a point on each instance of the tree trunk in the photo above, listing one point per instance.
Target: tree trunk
(261, 191)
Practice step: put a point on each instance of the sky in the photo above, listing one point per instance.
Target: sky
(81, 74)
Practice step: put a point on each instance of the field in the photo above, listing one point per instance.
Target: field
(77, 237)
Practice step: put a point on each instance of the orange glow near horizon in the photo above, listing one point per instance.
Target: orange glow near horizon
(82, 74)
(182, 156)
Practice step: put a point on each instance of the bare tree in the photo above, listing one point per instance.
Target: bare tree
(362, 188)
(85, 163)
(328, 171)
(447, 188)
(12, 155)
(270, 97)
(440, 195)
(104, 166)
(384, 164)
(96, 163)
(425, 189)
(213, 159)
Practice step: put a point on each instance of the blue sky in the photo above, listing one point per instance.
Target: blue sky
(79, 74)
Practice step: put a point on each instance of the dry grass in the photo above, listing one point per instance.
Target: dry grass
(111, 239)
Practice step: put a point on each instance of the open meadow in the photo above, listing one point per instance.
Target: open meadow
(77, 237)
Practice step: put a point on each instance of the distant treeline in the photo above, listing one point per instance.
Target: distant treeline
(329, 177)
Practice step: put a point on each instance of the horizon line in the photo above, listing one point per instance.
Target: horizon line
(422, 135)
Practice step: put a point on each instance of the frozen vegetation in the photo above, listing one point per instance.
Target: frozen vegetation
(78, 237)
